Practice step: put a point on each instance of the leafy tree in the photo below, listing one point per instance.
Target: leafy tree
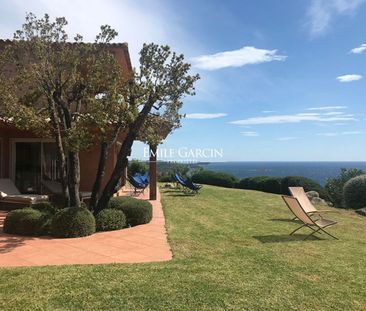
(137, 167)
(156, 92)
(77, 93)
(334, 186)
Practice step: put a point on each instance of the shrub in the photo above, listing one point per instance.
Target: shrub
(307, 183)
(354, 192)
(215, 179)
(110, 219)
(73, 222)
(262, 183)
(137, 212)
(334, 186)
(26, 221)
(136, 167)
(45, 207)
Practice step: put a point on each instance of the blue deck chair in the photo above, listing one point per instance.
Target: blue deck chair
(143, 179)
(137, 184)
(192, 187)
(180, 181)
(188, 185)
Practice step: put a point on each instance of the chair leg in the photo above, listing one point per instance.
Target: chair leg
(297, 229)
(314, 231)
(329, 234)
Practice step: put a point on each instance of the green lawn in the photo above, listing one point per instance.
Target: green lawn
(231, 252)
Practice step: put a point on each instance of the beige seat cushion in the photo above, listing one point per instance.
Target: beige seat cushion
(25, 198)
(7, 186)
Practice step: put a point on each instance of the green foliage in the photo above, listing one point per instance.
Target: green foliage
(45, 207)
(72, 222)
(354, 192)
(262, 183)
(307, 183)
(279, 185)
(214, 178)
(26, 221)
(137, 167)
(167, 170)
(334, 186)
(137, 211)
(110, 219)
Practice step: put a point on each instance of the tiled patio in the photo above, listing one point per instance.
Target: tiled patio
(144, 243)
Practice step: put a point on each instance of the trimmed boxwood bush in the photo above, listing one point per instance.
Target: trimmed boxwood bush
(45, 207)
(26, 221)
(354, 192)
(334, 186)
(215, 179)
(110, 219)
(72, 222)
(137, 212)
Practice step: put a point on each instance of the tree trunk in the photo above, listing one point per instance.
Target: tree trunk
(74, 179)
(73, 162)
(61, 157)
(99, 176)
(114, 181)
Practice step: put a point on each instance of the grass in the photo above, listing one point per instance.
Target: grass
(231, 252)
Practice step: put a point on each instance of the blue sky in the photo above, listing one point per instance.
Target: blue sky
(280, 80)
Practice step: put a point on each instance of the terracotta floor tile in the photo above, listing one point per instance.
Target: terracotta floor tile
(144, 243)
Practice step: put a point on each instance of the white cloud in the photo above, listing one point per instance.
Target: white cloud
(336, 134)
(360, 49)
(268, 111)
(249, 134)
(327, 134)
(349, 78)
(205, 115)
(333, 113)
(295, 118)
(327, 108)
(321, 13)
(287, 138)
(135, 21)
(351, 133)
(247, 55)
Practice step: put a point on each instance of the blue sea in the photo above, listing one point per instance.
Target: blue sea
(318, 171)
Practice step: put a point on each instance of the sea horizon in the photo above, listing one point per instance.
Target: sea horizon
(319, 171)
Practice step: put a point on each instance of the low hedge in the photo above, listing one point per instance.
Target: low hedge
(262, 183)
(72, 222)
(215, 179)
(27, 221)
(300, 181)
(137, 212)
(354, 192)
(279, 185)
(110, 219)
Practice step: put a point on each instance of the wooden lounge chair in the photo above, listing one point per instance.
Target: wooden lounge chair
(300, 195)
(10, 195)
(316, 225)
(56, 189)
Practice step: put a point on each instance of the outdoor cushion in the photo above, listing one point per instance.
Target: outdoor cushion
(7, 186)
(25, 198)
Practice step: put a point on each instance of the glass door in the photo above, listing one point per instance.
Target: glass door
(28, 167)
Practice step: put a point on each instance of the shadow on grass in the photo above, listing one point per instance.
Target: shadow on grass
(295, 221)
(181, 195)
(285, 238)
